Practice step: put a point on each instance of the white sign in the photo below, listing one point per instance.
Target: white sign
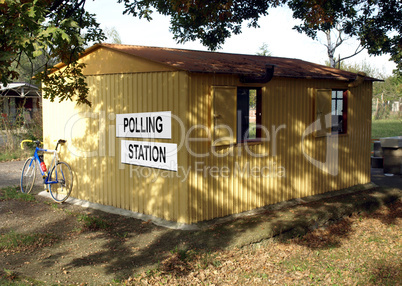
(144, 125)
(149, 154)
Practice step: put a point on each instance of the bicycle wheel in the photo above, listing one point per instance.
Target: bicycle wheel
(28, 175)
(62, 174)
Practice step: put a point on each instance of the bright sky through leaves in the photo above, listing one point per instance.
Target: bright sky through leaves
(276, 30)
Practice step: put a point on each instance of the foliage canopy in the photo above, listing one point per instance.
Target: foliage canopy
(61, 29)
(376, 23)
(56, 30)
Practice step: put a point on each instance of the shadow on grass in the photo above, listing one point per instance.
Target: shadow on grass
(331, 223)
(385, 274)
(133, 244)
(138, 244)
(129, 246)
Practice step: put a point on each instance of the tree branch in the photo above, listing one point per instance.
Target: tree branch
(339, 40)
(355, 53)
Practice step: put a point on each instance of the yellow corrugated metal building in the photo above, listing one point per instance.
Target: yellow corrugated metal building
(246, 131)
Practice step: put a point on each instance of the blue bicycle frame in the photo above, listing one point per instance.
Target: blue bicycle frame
(58, 179)
(46, 176)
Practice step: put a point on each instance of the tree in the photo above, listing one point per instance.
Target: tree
(53, 30)
(376, 23)
(363, 66)
(384, 94)
(331, 45)
(390, 89)
(211, 22)
(28, 67)
(61, 29)
(264, 51)
(112, 35)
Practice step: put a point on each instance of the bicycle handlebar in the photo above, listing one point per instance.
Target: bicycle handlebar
(30, 141)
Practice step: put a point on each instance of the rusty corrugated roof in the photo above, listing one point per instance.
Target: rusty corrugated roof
(226, 63)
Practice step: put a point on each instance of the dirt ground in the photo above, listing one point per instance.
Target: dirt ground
(112, 248)
(116, 247)
(77, 254)
(10, 173)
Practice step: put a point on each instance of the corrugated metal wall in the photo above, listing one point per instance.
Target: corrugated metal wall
(94, 151)
(211, 182)
(236, 181)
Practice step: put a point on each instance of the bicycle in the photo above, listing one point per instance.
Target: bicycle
(59, 181)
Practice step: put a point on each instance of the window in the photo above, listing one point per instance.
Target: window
(331, 112)
(236, 115)
(248, 114)
(339, 111)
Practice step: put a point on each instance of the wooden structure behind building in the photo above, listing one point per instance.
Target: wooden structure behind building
(19, 97)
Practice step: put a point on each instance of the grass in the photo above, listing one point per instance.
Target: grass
(386, 128)
(367, 255)
(13, 241)
(54, 206)
(93, 223)
(12, 193)
(12, 278)
(362, 249)
(183, 260)
(16, 154)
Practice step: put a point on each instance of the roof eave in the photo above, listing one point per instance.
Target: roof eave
(89, 50)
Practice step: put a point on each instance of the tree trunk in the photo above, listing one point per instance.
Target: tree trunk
(330, 49)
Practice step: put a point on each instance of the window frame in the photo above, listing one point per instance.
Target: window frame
(335, 129)
(240, 133)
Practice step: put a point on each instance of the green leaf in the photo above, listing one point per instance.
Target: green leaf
(31, 12)
(64, 36)
(37, 53)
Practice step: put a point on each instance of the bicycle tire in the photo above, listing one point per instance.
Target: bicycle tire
(28, 174)
(61, 190)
